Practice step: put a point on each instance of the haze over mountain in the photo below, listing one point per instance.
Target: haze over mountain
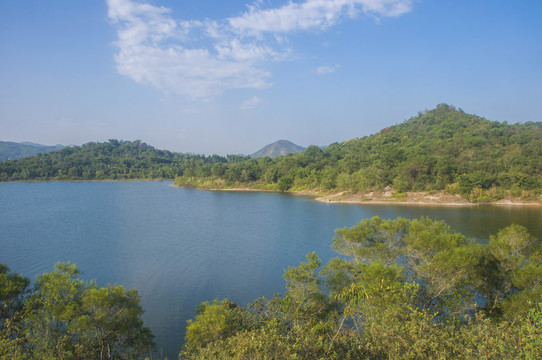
(278, 148)
(14, 151)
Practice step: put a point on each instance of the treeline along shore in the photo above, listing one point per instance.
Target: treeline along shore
(441, 156)
(400, 289)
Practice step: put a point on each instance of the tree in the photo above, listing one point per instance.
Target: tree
(12, 289)
(517, 260)
(442, 261)
(112, 325)
(285, 183)
(215, 321)
(54, 313)
(67, 318)
(403, 289)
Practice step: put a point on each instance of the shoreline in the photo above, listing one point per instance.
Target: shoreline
(429, 203)
(81, 180)
(372, 198)
(412, 199)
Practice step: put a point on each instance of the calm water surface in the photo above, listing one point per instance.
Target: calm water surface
(180, 247)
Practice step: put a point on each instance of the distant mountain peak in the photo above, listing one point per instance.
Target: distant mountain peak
(278, 148)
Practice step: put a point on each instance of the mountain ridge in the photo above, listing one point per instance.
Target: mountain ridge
(10, 150)
(441, 150)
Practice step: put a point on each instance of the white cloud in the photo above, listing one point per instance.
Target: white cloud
(312, 14)
(251, 103)
(202, 59)
(322, 70)
(152, 50)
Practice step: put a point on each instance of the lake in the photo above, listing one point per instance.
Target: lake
(180, 247)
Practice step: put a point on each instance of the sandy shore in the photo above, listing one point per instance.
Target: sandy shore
(385, 198)
(415, 198)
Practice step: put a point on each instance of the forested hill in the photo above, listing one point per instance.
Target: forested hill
(443, 149)
(109, 160)
(13, 151)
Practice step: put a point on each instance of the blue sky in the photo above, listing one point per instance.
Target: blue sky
(227, 77)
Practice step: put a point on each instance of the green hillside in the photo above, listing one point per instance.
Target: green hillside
(114, 160)
(443, 149)
(13, 151)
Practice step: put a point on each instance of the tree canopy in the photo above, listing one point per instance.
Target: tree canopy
(113, 160)
(66, 318)
(443, 149)
(402, 289)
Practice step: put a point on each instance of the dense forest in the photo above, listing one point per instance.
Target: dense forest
(401, 289)
(63, 317)
(112, 160)
(443, 150)
(12, 151)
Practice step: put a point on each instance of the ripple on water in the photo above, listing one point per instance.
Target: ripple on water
(180, 247)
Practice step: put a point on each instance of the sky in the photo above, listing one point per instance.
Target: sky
(229, 77)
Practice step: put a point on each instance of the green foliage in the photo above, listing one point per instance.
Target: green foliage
(402, 289)
(443, 149)
(115, 160)
(66, 318)
(514, 265)
(285, 183)
(12, 289)
(13, 151)
(112, 324)
(440, 261)
(215, 321)
(304, 293)
(54, 312)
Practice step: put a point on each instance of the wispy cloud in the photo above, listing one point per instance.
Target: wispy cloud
(154, 49)
(312, 14)
(322, 70)
(202, 59)
(251, 103)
